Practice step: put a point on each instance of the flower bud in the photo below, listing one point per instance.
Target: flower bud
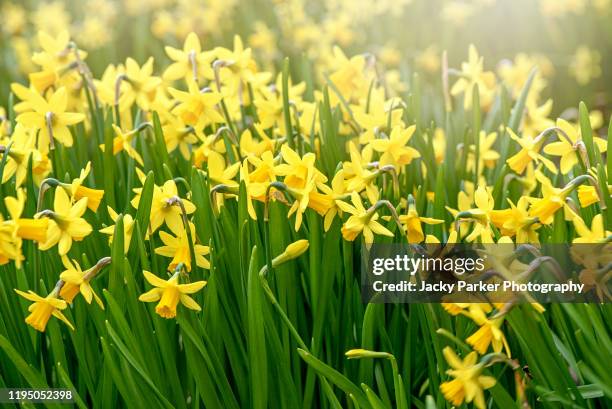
(294, 250)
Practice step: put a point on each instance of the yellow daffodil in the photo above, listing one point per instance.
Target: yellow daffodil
(78, 281)
(25, 228)
(349, 76)
(65, 222)
(596, 234)
(465, 199)
(395, 151)
(50, 118)
(162, 208)
(473, 74)
(252, 146)
(587, 195)
(169, 293)
(378, 115)
(358, 172)
(516, 221)
(78, 191)
(412, 222)
(190, 63)
(429, 59)
(237, 65)
(362, 221)
(43, 308)
(298, 170)
(468, 383)
(22, 149)
(489, 333)
(138, 84)
(552, 199)
(195, 107)
(482, 215)
(13, 230)
(177, 247)
(336, 192)
(181, 136)
(122, 142)
(530, 151)
(515, 74)
(219, 173)
(567, 146)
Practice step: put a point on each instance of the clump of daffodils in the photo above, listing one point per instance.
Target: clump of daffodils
(215, 132)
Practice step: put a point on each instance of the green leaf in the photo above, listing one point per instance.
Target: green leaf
(335, 377)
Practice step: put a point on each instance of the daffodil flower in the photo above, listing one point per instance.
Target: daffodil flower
(138, 84)
(536, 118)
(379, 116)
(179, 135)
(552, 199)
(349, 77)
(23, 148)
(234, 66)
(468, 383)
(25, 228)
(78, 191)
(77, 281)
(530, 151)
(169, 293)
(395, 150)
(43, 308)
(516, 221)
(488, 334)
(587, 195)
(487, 156)
(567, 147)
(196, 108)
(162, 208)
(362, 221)
(412, 222)
(358, 173)
(65, 222)
(122, 142)
(473, 74)
(50, 118)
(177, 247)
(190, 63)
(596, 234)
(481, 215)
(13, 230)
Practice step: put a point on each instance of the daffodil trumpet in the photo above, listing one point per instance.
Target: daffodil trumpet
(577, 181)
(170, 293)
